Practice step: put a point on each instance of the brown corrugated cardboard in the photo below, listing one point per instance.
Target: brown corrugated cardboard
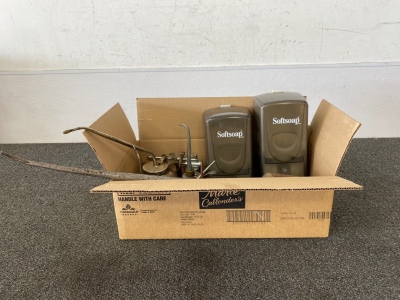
(267, 214)
(219, 208)
(331, 133)
(262, 184)
(113, 156)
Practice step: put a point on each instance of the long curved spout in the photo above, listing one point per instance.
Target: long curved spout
(189, 169)
(114, 139)
(85, 171)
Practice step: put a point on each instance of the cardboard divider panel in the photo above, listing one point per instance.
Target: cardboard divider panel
(160, 118)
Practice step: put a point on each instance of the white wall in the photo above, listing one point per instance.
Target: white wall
(97, 34)
(63, 63)
(36, 108)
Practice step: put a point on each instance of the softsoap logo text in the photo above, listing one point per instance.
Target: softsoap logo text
(282, 120)
(227, 134)
(222, 199)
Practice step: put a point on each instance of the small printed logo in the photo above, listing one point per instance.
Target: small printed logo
(128, 207)
(129, 210)
(222, 199)
(282, 120)
(227, 134)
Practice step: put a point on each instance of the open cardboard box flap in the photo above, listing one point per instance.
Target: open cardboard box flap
(331, 132)
(113, 156)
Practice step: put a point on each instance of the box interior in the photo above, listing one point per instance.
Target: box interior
(331, 131)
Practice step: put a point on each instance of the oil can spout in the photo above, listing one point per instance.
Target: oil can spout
(189, 173)
(114, 139)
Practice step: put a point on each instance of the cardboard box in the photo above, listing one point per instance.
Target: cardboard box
(280, 207)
